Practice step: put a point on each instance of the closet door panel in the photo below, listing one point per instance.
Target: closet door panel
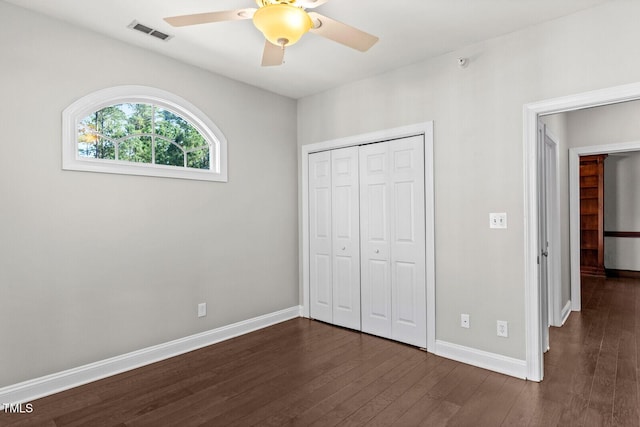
(345, 237)
(377, 211)
(379, 301)
(405, 276)
(320, 230)
(323, 293)
(408, 241)
(375, 218)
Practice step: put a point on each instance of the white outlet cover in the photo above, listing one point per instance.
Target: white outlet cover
(498, 220)
(464, 321)
(503, 328)
(202, 309)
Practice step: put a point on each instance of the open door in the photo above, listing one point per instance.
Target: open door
(543, 234)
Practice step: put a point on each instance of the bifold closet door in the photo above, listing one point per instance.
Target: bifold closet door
(345, 214)
(334, 237)
(320, 245)
(392, 229)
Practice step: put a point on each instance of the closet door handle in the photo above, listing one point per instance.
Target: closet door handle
(344, 247)
(377, 251)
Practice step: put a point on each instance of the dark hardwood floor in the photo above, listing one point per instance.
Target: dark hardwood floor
(303, 372)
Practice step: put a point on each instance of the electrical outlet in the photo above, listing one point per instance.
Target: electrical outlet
(498, 220)
(202, 309)
(503, 328)
(464, 321)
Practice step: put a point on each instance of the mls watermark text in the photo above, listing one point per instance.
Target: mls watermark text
(16, 408)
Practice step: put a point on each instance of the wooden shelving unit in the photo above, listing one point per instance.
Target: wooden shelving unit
(592, 215)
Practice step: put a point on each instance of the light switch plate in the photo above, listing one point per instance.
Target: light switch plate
(498, 220)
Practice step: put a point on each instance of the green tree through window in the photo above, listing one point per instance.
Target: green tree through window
(142, 133)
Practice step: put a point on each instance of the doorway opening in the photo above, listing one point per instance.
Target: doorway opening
(535, 321)
(574, 203)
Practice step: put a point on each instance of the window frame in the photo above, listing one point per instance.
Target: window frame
(132, 94)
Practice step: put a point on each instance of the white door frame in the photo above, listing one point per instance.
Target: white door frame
(425, 129)
(531, 112)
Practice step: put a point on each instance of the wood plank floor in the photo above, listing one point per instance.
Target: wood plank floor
(303, 372)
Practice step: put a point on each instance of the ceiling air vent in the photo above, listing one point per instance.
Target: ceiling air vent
(135, 25)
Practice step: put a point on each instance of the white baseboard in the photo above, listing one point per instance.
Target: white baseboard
(482, 359)
(44, 386)
(566, 311)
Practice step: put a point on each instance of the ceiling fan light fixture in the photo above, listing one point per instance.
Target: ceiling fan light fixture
(282, 24)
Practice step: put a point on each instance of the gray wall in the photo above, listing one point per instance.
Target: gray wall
(622, 210)
(97, 265)
(477, 113)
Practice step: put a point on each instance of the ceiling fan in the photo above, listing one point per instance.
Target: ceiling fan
(283, 22)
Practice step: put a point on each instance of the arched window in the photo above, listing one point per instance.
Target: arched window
(139, 130)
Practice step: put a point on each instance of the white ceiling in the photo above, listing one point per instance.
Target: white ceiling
(409, 31)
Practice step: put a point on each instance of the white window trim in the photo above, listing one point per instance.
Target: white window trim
(131, 94)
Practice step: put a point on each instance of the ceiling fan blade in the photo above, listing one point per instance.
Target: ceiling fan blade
(272, 55)
(342, 33)
(205, 18)
(310, 4)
